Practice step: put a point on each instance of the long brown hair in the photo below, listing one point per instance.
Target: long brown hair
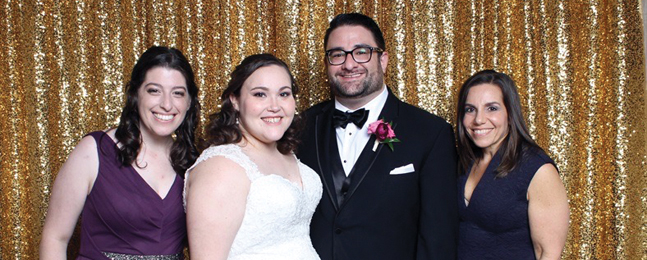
(222, 127)
(183, 151)
(518, 137)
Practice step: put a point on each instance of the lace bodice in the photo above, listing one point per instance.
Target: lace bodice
(276, 224)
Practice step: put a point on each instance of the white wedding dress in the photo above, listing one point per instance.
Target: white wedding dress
(277, 217)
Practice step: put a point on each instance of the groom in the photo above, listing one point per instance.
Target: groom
(385, 196)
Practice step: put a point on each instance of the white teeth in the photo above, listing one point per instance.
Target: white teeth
(163, 117)
(482, 132)
(272, 119)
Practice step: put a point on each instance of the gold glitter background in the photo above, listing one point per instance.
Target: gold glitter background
(579, 66)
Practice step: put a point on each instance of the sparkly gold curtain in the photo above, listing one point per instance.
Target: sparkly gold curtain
(579, 66)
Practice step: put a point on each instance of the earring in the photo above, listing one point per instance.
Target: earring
(237, 122)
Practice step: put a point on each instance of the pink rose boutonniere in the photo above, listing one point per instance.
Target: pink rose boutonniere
(383, 133)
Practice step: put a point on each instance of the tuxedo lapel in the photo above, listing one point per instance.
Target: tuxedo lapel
(325, 135)
(368, 157)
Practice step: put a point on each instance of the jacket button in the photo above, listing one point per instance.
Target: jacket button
(338, 230)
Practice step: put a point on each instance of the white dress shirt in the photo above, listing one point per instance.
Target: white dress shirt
(351, 140)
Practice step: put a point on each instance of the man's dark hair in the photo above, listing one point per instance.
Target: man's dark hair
(356, 19)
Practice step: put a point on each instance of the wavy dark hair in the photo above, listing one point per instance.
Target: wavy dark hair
(518, 138)
(183, 151)
(356, 19)
(222, 127)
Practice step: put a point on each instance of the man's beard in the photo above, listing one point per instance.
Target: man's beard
(369, 85)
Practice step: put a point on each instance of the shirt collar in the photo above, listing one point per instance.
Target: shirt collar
(373, 106)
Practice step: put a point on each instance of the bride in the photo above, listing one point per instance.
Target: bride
(247, 196)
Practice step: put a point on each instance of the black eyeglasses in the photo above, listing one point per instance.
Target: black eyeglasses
(359, 54)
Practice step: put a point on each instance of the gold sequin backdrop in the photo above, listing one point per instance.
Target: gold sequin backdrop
(578, 64)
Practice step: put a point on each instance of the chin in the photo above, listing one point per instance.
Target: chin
(165, 132)
(274, 137)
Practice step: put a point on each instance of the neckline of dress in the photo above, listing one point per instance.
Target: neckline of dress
(139, 176)
(255, 168)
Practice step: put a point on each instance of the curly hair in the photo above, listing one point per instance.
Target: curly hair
(222, 127)
(518, 137)
(183, 151)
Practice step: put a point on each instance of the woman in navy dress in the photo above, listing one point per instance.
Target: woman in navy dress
(513, 204)
(126, 183)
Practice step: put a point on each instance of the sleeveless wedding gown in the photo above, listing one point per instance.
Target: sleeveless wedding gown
(276, 224)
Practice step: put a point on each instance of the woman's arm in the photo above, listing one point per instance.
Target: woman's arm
(216, 197)
(548, 213)
(71, 187)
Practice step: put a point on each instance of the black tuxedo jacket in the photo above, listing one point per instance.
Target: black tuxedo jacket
(382, 215)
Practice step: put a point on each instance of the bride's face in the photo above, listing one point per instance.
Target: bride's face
(266, 104)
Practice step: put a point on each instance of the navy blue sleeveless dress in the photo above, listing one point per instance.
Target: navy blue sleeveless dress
(495, 224)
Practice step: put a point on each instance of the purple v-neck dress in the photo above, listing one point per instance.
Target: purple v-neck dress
(124, 215)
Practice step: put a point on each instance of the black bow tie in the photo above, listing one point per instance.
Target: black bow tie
(342, 119)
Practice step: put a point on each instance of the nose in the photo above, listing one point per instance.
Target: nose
(479, 118)
(350, 63)
(273, 105)
(166, 102)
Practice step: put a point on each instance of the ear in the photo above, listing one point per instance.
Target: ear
(384, 60)
(326, 64)
(234, 102)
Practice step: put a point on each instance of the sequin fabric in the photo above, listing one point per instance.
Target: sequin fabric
(579, 66)
(116, 256)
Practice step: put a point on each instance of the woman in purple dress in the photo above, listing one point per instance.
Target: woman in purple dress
(126, 183)
(513, 204)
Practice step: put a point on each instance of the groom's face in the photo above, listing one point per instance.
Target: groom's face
(353, 80)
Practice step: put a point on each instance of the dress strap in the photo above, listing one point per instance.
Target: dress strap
(230, 151)
(98, 137)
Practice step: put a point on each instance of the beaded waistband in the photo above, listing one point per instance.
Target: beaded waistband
(117, 256)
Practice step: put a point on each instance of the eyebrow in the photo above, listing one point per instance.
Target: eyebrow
(259, 87)
(361, 45)
(152, 83)
(159, 85)
(486, 104)
(354, 47)
(267, 89)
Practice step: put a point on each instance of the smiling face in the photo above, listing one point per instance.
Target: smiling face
(266, 105)
(352, 81)
(162, 102)
(486, 118)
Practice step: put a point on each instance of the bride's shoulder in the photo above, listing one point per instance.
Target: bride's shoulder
(213, 176)
(218, 166)
(224, 149)
(219, 157)
(229, 151)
